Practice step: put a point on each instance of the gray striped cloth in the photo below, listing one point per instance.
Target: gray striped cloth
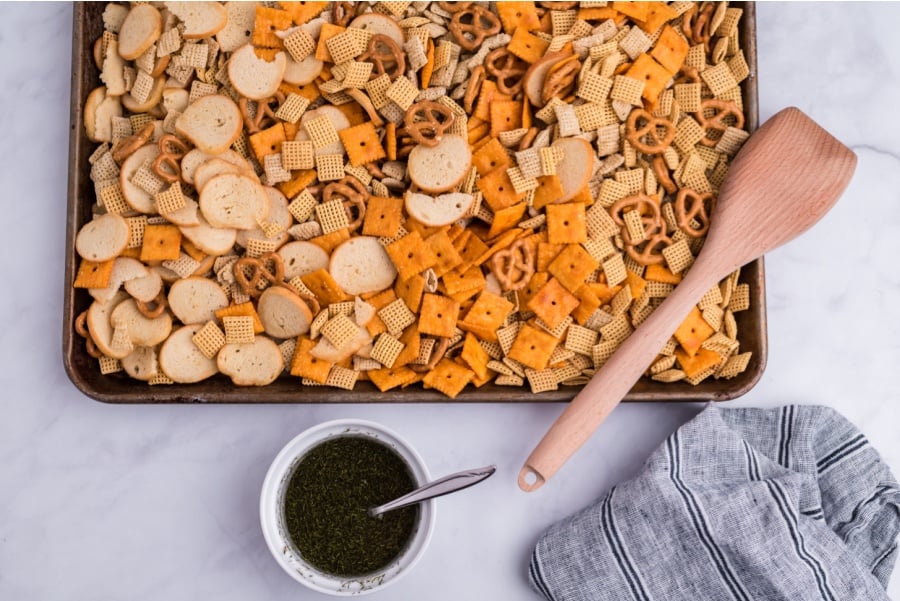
(737, 505)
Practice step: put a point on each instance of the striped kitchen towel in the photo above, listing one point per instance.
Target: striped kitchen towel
(737, 505)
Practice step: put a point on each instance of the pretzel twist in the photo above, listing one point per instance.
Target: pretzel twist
(472, 24)
(427, 121)
(507, 68)
(254, 123)
(693, 207)
(636, 134)
(721, 110)
(514, 266)
(353, 195)
(385, 55)
(167, 166)
(260, 275)
(561, 78)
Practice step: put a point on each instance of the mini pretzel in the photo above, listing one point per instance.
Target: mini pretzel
(385, 55)
(699, 29)
(691, 207)
(650, 251)
(254, 123)
(476, 78)
(507, 68)
(125, 147)
(426, 121)
(650, 129)
(454, 7)
(651, 217)
(167, 166)
(514, 266)
(560, 79)
(259, 273)
(353, 195)
(437, 353)
(160, 303)
(342, 13)
(471, 25)
(81, 330)
(721, 110)
(661, 171)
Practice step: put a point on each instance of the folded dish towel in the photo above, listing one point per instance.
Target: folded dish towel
(738, 504)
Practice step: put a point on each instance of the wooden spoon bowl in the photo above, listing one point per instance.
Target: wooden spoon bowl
(785, 179)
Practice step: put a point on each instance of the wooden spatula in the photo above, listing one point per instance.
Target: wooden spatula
(785, 178)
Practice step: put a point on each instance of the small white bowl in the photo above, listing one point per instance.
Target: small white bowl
(271, 510)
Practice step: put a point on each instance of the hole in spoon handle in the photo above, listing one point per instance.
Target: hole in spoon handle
(529, 479)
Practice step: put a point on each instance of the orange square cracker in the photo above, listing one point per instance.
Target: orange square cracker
(572, 266)
(553, 303)
(532, 347)
(566, 223)
(437, 316)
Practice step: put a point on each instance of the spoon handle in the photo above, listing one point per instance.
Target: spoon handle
(613, 381)
(437, 488)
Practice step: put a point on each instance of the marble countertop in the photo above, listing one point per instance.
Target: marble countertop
(109, 502)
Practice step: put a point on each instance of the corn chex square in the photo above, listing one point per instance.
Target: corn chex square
(275, 171)
(719, 78)
(298, 154)
(302, 206)
(209, 339)
(321, 131)
(403, 92)
(541, 380)
(329, 167)
(339, 331)
(627, 90)
(386, 349)
(113, 200)
(332, 216)
(292, 108)
(397, 317)
(678, 256)
(377, 90)
(300, 44)
(614, 268)
(341, 377)
(257, 247)
(238, 329)
(145, 179)
(580, 339)
(343, 47)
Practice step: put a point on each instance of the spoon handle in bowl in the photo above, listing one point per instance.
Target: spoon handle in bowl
(613, 381)
(437, 488)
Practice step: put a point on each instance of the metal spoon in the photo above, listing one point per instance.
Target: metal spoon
(784, 179)
(437, 488)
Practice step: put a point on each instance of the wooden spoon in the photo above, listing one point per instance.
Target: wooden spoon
(785, 178)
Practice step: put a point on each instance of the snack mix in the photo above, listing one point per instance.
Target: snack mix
(450, 193)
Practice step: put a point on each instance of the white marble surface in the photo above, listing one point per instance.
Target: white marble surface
(108, 502)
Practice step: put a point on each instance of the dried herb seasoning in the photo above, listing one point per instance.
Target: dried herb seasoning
(327, 501)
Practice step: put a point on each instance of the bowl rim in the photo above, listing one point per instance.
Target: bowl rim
(269, 509)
